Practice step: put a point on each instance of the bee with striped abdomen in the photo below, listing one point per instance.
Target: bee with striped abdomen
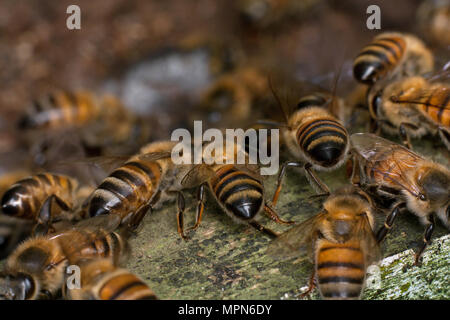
(100, 122)
(101, 279)
(316, 137)
(136, 187)
(417, 184)
(340, 240)
(392, 54)
(37, 268)
(32, 199)
(412, 107)
(237, 188)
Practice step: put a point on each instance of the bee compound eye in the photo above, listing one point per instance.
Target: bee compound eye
(422, 197)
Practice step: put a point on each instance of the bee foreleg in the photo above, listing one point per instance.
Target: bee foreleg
(280, 178)
(274, 216)
(180, 215)
(314, 180)
(263, 229)
(388, 223)
(445, 136)
(404, 134)
(201, 205)
(426, 239)
(311, 286)
(45, 214)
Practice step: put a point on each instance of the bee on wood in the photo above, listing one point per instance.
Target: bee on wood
(340, 240)
(37, 268)
(417, 184)
(101, 279)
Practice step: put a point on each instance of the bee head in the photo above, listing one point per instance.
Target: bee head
(17, 287)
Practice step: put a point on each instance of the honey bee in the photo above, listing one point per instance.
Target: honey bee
(392, 54)
(434, 18)
(135, 187)
(315, 136)
(32, 198)
(101, 279)
(418, 184)
(232, 96)
(100, 122)
(37, 268)
(340, 241)
(412, 106)
(12, 232)
(238, 189)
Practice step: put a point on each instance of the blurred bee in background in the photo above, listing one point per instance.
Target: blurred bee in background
(434, 20)
(101, 279)
(237, 188)
(233, 96)
(99, 122)
(136, 187)
(37, 268)
(32, 199)
(392, 54)
(390, 170)
(412, 107)
(340, 241)
(313, 135)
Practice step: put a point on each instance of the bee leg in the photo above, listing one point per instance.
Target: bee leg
(45, 214)
(382, 232)
(404, 134)
(201, 205)
(180, 215)
(280, 178)
(274, 216)
(426, 240)
(137, 217)
(374, 126)
(445, 136)
(314, 180)
(263, 229)
(311, 286)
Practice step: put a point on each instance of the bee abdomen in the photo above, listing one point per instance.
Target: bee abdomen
(378, 58)
(340, 271)
(125, 286)
(24, 198)
(323, 140)
(127, 188)
(238, 192)
(311, 100)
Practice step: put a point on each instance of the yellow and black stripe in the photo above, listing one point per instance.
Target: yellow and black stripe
(379, 58)
(437, 106)
(340, 270)
(123, 285)
(324, 140)
(126, 189)
(61, 109)
(316, 99)
(237, 191)
(25, 198)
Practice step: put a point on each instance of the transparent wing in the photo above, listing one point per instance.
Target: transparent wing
(368, 242)
(197, 175)
(107, 222)
(374, 148)
(296, 241)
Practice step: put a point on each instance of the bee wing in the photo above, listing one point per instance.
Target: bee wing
(107, 222)
(368, 241)
(442, 75)
(153, 156)
(296, 241)
(429, 96)
(197, 175)
(397, 158)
